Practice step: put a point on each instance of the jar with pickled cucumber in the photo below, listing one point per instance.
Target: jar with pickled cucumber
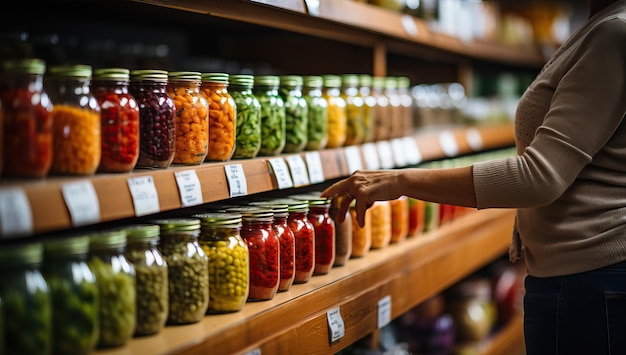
(296, 113)
(337, 116)
(188, 269)
(361, 236)
(318, 112)
(304, 237)
(380, 224)
(248, 130)
(273, 130)
(343, 233)
(222, 116)
(396, 110)
(192, 118)
(382, 110)
(75, 295)
(157, 118)
(76, 122)
(120, 120)
(26, 298)
(407, 103)
(115, 277)
(26, 111)
(229, 275)
(151, 278)
(355, 129)
(369, 104)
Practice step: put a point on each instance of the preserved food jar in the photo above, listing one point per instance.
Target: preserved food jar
(248, 139)
(399, 219)
(406, 101)
(473, 309)
(382, 113)
(324, 228)
(337, 124)
(151, 278)
(119, 114)
(431, 216)
(361, 236)
(416, 216)
(188, 269)
(317, 131)
(26, 110)
(296, 113)
(222, 116)
(192, 118)
(75, 295)
(369, 105)
(273, 131)
(26, 300)
(304, 236)
(157, 120)
(76, 136)
(381, 224)
(229, 274)
(343, 233)
(395, 106)
(115, 277)
(355, 129)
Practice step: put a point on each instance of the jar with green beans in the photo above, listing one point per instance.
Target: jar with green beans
(318, 112)
(188, 269)
(296, 113)
(337, 120)
(75, 295)
(248, 131)
(151, 275)
(26, 300)
(355, 130)
(273, 129)
(229, 281)
(115, 277)
(369, 104)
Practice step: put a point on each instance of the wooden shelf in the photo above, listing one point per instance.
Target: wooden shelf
(297, 319)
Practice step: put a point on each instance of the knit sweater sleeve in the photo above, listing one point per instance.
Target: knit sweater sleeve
(578, 102)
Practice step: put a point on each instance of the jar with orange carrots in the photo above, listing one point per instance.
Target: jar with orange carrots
(222, 116)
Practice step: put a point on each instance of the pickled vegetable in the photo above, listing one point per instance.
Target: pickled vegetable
(381, 224)
(248, 140)
(369, 104)
(355, 129)
(337, 120)
(296, 113)
(318, 113)
(222, 116)
(399, 219)
(273, 131)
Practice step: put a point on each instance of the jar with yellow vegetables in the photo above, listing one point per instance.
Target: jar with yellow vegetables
(355, 130)
(337, 120)
(222, 116)
(381, 224)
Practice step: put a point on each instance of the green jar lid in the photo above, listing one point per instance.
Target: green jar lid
(350, 80)
(379, 82)
(313, 81)
(149, 75)
(225, 219)
(391, 82)
(404, 82)
(332, 81)
(177, 224)
(26, 66)
(66, 246)
(221, 78)
(114, 74)
(312, 199)
(21, 254)
(76, 71)
(253, 213)
(267, 80)
(111, 238)
(365, 80)
(291, 80)
(184, 76)
(241, 79)
(279, 209)
(142, 232)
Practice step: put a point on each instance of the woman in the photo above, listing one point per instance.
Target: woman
(567, 182)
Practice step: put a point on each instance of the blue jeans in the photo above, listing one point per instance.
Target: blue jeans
(577, 314)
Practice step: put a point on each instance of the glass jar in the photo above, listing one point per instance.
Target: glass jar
(75, 295)
(355, 129)
(157, 120)
(248, 140)
(192, 118)
(273, 131)
(296, 113)
(151, 278)
(229, 274)
(382, 113)
(26, 300)
(337, 120)
(416, 217)
(361, 236)
(399, 219)
(369, 105)
(119, 114)
(317, 131)
(115, 277)
(324, 228)
(381, 224)
(431, 216)
(406, 101)
(395, 107)
(222, 116)
(76, 136)
(187, 269)
(343, 233)
(26, 110)
(304, 236)
(473, 309)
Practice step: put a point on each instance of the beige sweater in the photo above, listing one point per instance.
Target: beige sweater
(568, 181)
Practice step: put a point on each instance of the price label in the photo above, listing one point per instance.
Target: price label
(384, 311)
(409, 25)
(189, 187)
(353, 158)
(385, 154)
(281, 173)
(314, 165)
(144, 194)
(16, 218)
(237, 184)
(412, 151)
(313, 7)
(448, 144)
(370, 155)
(254, 352)
(297, 167)
(399, 155)
(82, 202)
(335, 324)
(474, 139)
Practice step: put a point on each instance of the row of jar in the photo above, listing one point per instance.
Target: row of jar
(112, 120)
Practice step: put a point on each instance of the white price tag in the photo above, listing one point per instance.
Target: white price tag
(313, 7)
(409, 25)
(399, 155)
(16, 218)
(474, 139)
(189, 187)
(335, 324)
(353, 158)
(297, 167)
(370, 155)
(82, 202)
(385, 154)
(144, 194)
(254, 352)
(412, 151)
(236, 178)
(384, 311)
(448, 144)
(281, 172)
(314, 165)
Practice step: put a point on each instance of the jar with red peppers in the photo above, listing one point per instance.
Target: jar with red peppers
(120, 120)
(156, 118)
(192, 118)
(222, 116)
(27, 116)
(324, 227)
